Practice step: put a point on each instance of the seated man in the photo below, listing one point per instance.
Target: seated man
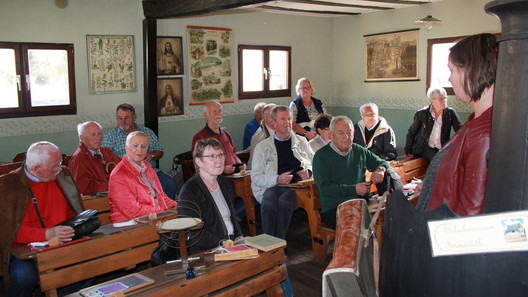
(321, 125)
(36, 197)
(213, 118)
(134, 189)
(339, 169)
(273, 161)
(263, 132)
(253, 125)
(115, 140)
(374, 133)
(91, 163)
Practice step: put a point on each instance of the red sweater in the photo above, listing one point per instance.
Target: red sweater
(53, 209)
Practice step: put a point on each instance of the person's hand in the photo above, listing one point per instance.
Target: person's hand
(310, 135)
(65, 233)
(243, 167)
(418, 190)
(304, 174)
(148, 157)
(362, 188)
(228, 169)
(285, 178)
(378, 175)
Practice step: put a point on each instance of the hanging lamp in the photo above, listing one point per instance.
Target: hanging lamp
(429, 20)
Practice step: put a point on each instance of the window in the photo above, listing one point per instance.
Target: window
(437, 58)
(264, 71)
(36, 79)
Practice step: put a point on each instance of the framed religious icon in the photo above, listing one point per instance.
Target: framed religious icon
(170, 55)
(170, 96)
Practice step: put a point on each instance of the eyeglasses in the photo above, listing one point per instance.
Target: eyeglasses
(305, 88)
(213, 157)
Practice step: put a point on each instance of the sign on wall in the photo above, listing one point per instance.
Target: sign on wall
(209, 64)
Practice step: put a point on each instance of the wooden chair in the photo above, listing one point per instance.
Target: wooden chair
(409, 169)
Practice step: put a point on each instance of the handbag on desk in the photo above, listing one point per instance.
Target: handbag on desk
(83, 223)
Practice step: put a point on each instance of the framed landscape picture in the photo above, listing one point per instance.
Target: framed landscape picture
(392, 56)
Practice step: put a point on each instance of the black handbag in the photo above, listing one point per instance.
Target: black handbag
(83, 223)
(166, 250)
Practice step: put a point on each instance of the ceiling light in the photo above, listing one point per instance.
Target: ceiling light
(429, 20)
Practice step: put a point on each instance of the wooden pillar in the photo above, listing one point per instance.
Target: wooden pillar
(507, 183)
(149, 71)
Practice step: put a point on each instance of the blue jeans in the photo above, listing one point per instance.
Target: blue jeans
(24, 278)
(287, 290)
(167, 183)
(276, 210)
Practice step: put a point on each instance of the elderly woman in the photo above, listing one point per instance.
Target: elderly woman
(305, 109)
(431, 128)
(322, 127)
(209, 194)
(134, 189)
(457, 174)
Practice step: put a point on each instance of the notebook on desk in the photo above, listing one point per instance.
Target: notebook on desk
(124, 284)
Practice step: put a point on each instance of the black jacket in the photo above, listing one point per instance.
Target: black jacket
(420, 130)
(383, 142)
(194, 194)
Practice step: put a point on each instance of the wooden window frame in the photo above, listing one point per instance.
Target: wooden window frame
(430, 44)
(266, 93)
(24, 108)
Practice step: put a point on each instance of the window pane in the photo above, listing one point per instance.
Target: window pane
(253, 65)
(278, 64)
(439, 70)
(48, 71)
(8, 82)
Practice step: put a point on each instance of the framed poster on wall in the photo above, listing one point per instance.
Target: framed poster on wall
(170, 96)
(392, 56)
(209, 64)
(169, 53)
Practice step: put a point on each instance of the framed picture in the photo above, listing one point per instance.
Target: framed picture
(170, 55)
(392, 56)
(209, 64)
(111, 63)
(170, 96)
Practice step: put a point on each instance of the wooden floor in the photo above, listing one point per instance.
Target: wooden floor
(304, 272)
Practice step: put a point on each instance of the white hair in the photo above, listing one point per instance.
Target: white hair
(38, 153)
(133, 134)
(82, 126)
(299, 82)
(258, 105)
(435, 91)
(371, 105)
(340, 118)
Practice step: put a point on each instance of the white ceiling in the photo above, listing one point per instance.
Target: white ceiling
(332, 8)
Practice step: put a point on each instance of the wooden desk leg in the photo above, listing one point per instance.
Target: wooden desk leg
(183, 245)
(275, 291)
(243, 190)
(305, 200)
(51, 293)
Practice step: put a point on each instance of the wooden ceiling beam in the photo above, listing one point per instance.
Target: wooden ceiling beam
(161, 9)
(336, 4)
(267, 7)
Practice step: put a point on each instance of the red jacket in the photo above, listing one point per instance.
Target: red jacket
(461, 177)
(88, 171)
(128, 195)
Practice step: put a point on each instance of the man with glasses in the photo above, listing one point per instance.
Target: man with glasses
(273, 163)
(115, 140)
(374, 133)
(36, 197)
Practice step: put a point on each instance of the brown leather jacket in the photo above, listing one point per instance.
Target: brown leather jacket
(15, 199)
(461, 178)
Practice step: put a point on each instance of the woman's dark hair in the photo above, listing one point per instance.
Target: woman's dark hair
(202, 144)
(477, 56)
(322, 122)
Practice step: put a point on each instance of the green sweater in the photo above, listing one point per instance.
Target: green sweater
(336, 175)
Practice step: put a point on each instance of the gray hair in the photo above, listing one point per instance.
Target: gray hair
(276, 109)
(299, 82)
(371, 105)
(258, 105)
(38, 153)
(81, 126)
(340, 118)
(126, 106)
(436, 91)
(133, 134)
(208, 103)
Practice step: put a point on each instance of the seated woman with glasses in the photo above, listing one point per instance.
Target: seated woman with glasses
(134, 189)
(305, 109)
(210, 195)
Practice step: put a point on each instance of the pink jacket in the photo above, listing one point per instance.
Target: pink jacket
(129, 197)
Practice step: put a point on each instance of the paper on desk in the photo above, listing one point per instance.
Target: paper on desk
(124, 224)
(410, 186)
(38, 244)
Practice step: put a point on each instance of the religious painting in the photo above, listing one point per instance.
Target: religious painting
(209, 64)
(170, 96)
(111, 64)
(392, 56)
(170, 55)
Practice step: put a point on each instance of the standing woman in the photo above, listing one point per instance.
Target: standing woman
(431, 128)
(457, 174)
(305, 109)
(209, 194)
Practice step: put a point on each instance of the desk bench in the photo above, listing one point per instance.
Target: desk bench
(109, 249)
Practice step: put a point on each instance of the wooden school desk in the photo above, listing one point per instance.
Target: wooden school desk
(243, 190)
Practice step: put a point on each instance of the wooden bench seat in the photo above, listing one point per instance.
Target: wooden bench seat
(409, 169)
(99, 203)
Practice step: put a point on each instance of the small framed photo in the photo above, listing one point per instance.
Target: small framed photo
(170, 96)
(170, 55)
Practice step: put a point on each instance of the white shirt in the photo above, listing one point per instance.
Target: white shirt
(434, 138)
